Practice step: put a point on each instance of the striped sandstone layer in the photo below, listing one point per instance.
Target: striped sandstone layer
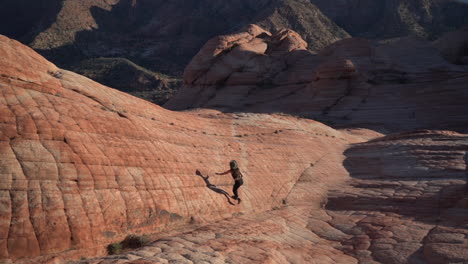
(83, 165)
(389, 86)
(405, 200)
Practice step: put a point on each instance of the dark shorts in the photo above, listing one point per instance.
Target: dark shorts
(237, 184)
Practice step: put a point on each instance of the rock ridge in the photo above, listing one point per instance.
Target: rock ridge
(390, 85)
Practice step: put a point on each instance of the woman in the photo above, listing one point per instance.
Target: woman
(237, 175)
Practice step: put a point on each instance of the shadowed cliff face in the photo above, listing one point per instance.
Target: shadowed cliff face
(23, 19)
(454, 46)
(161, 35)
(174, 31)
(156, 36)
(387, 85)
(388, 19)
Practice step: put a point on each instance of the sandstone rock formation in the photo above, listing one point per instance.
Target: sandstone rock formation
(405, 202)
(388, 85)
(161, 36)
(82, 165)
(113, 28)
(54, 30)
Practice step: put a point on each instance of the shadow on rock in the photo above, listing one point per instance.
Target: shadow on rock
(213, 187)
(425, 208)
(416, 174)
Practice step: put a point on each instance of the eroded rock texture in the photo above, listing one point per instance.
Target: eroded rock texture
(409, 195)
(82, 165)
(389, 85)
(404, 202)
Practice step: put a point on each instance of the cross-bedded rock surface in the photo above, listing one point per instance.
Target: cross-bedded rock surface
(390, 85)
(82, 165)
(405, 202)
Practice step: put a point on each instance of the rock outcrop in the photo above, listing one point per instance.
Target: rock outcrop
(168, 34)
(404, 202)
(83, 165)
(409, 193)
(161, 36)
(391, 85)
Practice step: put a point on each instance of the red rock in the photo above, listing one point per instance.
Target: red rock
(374, 216)
(335, 69)
(83, 165)
(351, 82)
(213, 48)
(287, 40)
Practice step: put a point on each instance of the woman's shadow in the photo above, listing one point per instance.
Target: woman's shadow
(213, 187)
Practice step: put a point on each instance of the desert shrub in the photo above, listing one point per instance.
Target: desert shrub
(130, 242)
(134, 241)
(114, 248)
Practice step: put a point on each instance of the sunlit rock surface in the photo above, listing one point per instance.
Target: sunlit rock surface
(83, 165)
(405, 201)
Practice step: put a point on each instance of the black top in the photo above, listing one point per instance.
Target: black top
(236, 174)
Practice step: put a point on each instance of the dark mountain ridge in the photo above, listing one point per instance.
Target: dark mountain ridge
(163, 36)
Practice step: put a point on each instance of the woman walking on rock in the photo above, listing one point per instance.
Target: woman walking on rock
(237, 176)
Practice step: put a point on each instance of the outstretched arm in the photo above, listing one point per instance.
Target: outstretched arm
(223, 173)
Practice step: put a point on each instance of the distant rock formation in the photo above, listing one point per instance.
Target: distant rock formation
(161, 36)
(454, 46)
(398, 84)
(396, 18)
